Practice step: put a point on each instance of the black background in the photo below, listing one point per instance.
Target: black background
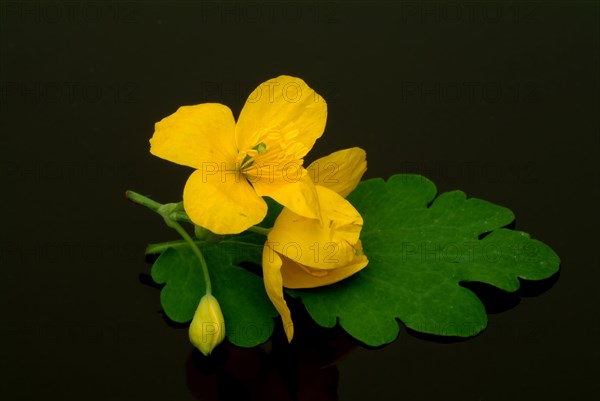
(498, 99)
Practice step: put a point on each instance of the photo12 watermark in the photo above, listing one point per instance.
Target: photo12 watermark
(467, 12)
(484, 92)
(69, 12)
(291, 92)
(284, 172)
(302, 13)
(69, 92)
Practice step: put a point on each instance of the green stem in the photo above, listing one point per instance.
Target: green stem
(154, 206)
(259, 230)
(181, 216)
(142, 200)
(163, 246)
(171, 216)
(192, 244)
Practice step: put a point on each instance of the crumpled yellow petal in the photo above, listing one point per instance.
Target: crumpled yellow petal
(298, 276)
(340, 171)
(321, 245)
(196, 134)
(223, 204)
(271, 264)
(299, 196)
(283, 104)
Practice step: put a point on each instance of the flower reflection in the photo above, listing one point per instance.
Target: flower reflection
(303, 370)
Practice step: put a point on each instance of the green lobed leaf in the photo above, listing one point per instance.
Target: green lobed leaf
(247, 310)
(420, 249)
(418, 256)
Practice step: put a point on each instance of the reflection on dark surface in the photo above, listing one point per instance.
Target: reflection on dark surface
(306, 369)
(534, 288)
(494, 300)
(303, 370)
(146, 279)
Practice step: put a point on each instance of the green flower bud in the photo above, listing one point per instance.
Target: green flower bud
(205, 235)
(207, 329)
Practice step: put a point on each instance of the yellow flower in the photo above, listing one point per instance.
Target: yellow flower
(301, 252)
(238, 163)
(207, 329)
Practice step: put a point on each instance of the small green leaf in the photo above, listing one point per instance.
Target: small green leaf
(247, 310)
(419, 252)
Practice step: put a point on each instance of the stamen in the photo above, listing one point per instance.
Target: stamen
(288, 136)
(257, 150)
(247, 159)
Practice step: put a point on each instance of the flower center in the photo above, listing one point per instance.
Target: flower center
(277, 155)
(250, 154)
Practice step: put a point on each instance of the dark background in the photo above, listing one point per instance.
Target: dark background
(498, 99)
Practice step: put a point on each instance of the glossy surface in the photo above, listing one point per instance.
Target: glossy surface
(499, 100)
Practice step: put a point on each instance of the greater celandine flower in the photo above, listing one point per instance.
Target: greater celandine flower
(238, 163)
(301, 252)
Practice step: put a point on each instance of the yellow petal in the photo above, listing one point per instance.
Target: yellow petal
(340, 171)
(197, 134)
(300, 196)
(297, 276)
(325, 245)
(222, 202)
(271, 264)
(283, 104)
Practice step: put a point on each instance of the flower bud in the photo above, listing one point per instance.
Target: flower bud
(207, 329)
(205, 235)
